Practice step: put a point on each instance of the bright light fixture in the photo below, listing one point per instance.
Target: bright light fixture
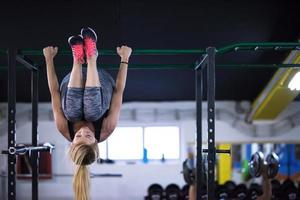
(295, 82)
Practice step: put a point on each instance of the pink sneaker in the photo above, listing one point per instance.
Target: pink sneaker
(90, 39)
(76, 43)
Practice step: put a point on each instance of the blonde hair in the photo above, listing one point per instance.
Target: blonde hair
(82, 155)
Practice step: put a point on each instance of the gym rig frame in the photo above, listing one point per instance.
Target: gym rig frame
(207, 62)
(12, 151)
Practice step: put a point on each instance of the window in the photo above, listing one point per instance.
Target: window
(128, 143)
(103, 149)
(162, 141)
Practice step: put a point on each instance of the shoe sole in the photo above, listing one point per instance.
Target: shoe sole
(74, 36)
(90, 30)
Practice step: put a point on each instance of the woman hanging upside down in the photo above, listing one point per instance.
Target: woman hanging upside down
(87, 104)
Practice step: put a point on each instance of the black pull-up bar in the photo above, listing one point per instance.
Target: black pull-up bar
(249, 46)
(22, 56)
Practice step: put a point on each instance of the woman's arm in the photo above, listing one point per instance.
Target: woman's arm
(60, 120)
(192, 192)
(110, 122)
(266, 185)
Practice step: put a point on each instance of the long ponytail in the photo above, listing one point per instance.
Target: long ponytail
(81, 182)
(82, 155)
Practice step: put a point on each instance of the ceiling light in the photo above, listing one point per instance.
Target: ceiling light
(295, 82)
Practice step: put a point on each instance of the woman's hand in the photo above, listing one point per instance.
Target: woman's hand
(124, 52)
(50, 52)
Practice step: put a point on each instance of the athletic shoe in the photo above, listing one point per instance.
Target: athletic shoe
(90, 39)
(77, 44)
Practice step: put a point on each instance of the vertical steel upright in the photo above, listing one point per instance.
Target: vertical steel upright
(11, 92)
(13, 57)
(34, 120)
(211, 52)
(199, 92)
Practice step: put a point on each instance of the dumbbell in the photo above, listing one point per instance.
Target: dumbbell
(173, 192)
(255, 190)
(289, 190)
(155, 192)
(221, 192)
(257, 163)
(185, 192)
(240, 192)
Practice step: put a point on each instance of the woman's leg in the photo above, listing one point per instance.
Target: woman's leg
(92, 78)
(74, 95)
(92, 99)
(76, 43)
(91, 52)
(76, 79)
